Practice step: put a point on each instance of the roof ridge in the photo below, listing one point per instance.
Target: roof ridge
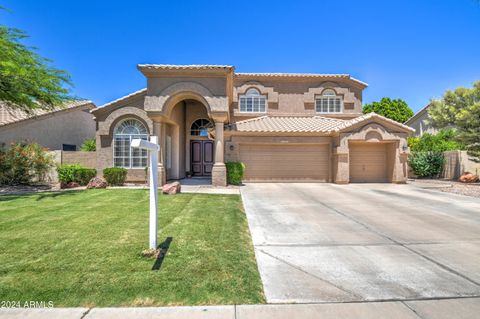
(123, 97)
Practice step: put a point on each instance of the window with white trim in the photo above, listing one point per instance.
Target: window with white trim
(123, 154)
(328, 102)
(253, 102)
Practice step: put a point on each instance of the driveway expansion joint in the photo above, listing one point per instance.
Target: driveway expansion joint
(310, 274)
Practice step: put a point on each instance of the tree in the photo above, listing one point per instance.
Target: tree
(397, 109)
(27, 80)
(460, 108)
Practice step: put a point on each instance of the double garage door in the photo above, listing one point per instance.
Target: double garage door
(286, 162)
(311, 162)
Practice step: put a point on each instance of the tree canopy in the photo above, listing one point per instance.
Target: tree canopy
(396, 109)
(460, 108)
(27, 80)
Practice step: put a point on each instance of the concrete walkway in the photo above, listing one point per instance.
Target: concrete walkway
(462, 308)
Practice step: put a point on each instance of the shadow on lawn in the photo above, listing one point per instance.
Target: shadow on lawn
(39, 195)
(163, 252)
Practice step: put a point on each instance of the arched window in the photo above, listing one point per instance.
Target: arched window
(252, 102)
(200, 127)
(124, 155)
(329, 102)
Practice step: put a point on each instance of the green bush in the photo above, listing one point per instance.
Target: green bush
(24, 164)
(75, 173)
(115, 175)
(83, 175)
(427, 164)
(444, 140)
(235, 172)
(89, 145)
(66, 172)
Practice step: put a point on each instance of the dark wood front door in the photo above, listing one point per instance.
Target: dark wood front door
(201, 155)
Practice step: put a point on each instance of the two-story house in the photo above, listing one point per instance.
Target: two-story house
(284, 127)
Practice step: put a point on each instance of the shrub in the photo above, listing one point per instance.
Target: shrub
(68, 173)
(89, 145)
(235, 172)
(83, 175)
(24, 164)
(427, 164)
(444, 140)
(115, 175)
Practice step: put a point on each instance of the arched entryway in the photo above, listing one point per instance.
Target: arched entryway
(189, 148)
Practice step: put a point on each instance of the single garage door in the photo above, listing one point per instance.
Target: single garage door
(281, 162)
(368, 163)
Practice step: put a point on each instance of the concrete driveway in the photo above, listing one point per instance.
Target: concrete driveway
(358, 242)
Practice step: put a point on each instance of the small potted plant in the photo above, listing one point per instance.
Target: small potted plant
(189, 175)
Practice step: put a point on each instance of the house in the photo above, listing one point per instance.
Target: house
(63, 128)
(421, 122)
(284, 127)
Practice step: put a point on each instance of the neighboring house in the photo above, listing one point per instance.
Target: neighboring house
(284, 127)
(421, 122)
(63, 128)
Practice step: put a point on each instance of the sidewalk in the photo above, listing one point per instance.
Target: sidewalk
(461, 308)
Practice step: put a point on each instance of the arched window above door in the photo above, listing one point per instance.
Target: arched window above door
(200, 127)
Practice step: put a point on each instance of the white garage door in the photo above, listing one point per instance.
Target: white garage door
(280, 162)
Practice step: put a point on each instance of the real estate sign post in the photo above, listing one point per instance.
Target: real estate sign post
(153, 148)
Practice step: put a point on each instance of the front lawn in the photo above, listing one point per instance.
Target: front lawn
(83, 248)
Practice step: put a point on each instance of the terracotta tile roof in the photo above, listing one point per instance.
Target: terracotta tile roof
(9, 115)
(184, 67)
(303, 124)
(301, 75)
(288, 124)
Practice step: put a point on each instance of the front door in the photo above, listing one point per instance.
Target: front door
(201, 153)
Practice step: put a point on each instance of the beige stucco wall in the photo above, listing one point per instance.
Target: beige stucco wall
(52, 130)
(295, 97)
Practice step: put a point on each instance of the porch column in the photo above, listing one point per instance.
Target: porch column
(219, 171)
(159, 131)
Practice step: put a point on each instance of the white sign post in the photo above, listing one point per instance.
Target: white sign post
(153, 148)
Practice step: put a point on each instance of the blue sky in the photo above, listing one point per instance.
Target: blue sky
(407, 49)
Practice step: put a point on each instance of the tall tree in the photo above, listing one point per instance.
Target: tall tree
(396, 109)
(27, 80)
(460, 108)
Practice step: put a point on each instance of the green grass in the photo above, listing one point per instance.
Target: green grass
(83, 248)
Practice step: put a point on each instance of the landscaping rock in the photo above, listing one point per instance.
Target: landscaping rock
(97, 182)
(468, 177)
(69, 185)
(172, 188)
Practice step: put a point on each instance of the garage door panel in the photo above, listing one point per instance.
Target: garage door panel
(368, 163)
(271, 162)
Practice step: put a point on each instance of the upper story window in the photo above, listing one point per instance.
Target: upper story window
(123, 154)
(328, 102)
(200, 127)
(252, 102)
